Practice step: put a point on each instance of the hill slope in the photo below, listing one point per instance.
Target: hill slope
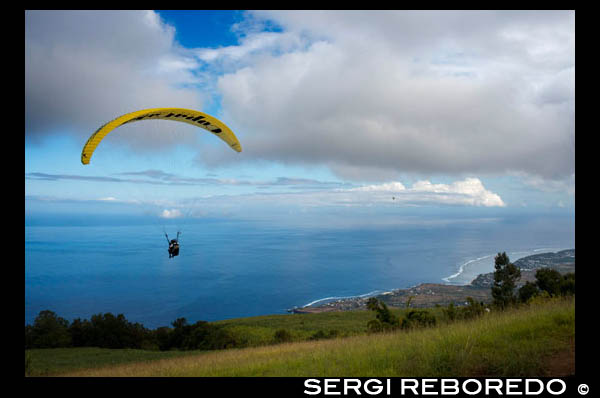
(518, 342)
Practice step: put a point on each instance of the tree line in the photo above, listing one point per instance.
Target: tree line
(109, 331)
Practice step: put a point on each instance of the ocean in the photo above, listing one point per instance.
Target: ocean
(232, 268)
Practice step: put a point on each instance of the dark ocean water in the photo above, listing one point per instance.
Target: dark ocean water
(230, 269)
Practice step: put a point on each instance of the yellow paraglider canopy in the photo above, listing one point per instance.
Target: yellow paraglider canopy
(195, 118)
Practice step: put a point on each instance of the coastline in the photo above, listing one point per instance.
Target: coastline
(515, 256)
(431, 294)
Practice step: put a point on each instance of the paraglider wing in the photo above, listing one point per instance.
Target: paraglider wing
(195, 118)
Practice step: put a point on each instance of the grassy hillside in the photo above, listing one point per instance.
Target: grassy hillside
(52, 361)
(260, 330)
(512, 343)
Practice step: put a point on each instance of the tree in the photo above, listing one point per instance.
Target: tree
(81, 333)
(197, 336)
(527, 291)
(163, 338)
(384, 316)
(549, 280)
(418, 318)
(181, 329)
(109, 331)
(506, 275)
(49, 331)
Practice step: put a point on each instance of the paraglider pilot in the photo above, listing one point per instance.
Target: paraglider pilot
(173, 245)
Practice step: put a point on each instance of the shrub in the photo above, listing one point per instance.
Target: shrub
(472, 309)
(549, 280)
(555, 284)
(320, 334)
(374, 326)
(567, 286)
(418, 318)
(450, 312)
(384, 316)
(527, 291)
(282, 336)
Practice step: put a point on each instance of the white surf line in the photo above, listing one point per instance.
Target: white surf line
(526, 253)
(373, 293)
(462, 267)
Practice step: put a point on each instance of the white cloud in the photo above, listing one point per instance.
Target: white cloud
(84, 68)
(390, 187)
(468, 192)
(250, 45)
(172, 213)
(372, 95)
(407, 92)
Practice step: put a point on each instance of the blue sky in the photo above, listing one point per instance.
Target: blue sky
(338, 112)
(203, 28)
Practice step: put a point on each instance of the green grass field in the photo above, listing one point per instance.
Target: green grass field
(517, 342)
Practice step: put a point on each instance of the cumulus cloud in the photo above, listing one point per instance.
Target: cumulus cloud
(371, 95)
(407, 92)
(469, 191)
(84, 68)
